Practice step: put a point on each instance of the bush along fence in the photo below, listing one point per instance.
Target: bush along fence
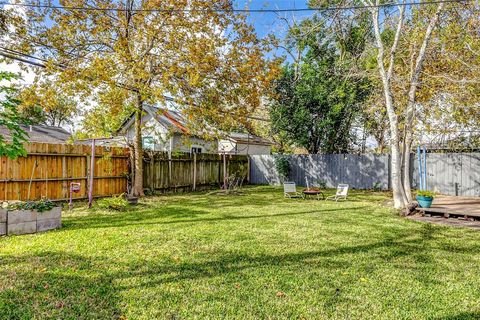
(185, 171)
(447, 173)
(49, 169)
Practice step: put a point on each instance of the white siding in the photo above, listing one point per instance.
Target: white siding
(151, 128)
(182, 143)
(254, 149)
(243, 148)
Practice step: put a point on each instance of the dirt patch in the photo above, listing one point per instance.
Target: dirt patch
(453, 222)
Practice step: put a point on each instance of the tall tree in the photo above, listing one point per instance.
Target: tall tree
(388, 29)
(10, 119)
(200, 52)
(318, 96)
(44, 103)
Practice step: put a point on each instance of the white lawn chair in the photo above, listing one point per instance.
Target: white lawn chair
(290, 190)
(342, 192)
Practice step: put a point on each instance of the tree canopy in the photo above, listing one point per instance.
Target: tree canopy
(209, 59)
(318, 96)
(45, 103)
(10, 119)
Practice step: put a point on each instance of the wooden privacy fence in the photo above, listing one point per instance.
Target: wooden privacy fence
(48, 170)
(190, 171)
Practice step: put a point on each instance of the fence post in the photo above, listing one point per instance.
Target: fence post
(225, 171)
(92, 169)
(87, 174)
(64, 175)
(169, 170)
(248, 168)
(194, 171)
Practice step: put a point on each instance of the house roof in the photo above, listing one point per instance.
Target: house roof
(40, 133)
(246, 138)
(174, 121)
(170, 119)
(117, 141)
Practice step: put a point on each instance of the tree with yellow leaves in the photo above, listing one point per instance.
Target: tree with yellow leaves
(44, 103)
(200, 52)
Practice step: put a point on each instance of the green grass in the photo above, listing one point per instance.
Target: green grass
(254, 256)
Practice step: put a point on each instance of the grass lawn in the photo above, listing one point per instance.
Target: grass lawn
(254, 256)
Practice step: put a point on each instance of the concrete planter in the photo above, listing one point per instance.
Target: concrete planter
(3, 222)
(29, 221)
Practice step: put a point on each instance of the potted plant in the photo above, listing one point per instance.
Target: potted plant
(131, 199)
(425, 198)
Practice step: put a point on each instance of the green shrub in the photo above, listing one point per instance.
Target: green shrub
(283, 166)
(377, 186)
(425, 193)
(118, 203)
(322, 184)
(40, 205)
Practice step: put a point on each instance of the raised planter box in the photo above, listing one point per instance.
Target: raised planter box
(3, 222)
(29, 221)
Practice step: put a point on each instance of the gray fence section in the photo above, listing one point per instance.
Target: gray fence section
(359, 171)
(451, 173)
(447, 173)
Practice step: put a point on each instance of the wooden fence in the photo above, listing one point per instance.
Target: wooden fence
(190, 171)
(49, 169)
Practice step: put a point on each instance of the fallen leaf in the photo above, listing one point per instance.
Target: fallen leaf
(237, 285)
(59, 305)
(281, 294)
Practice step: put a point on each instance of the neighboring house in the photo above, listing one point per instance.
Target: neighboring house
(40, 133)
(244, 143)
(118, 141)
(166, 130)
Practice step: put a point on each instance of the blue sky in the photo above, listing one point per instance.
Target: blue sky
(266, 23)
(269, 22)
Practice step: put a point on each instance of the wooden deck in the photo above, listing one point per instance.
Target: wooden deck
(457, 206)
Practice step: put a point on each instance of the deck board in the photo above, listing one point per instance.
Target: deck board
(462, 206)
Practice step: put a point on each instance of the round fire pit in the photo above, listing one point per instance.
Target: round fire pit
(313, 193)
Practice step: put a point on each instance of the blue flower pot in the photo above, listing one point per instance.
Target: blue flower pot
(424, 202)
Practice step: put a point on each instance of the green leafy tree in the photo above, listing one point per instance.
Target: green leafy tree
(317, 97)
(10, 119)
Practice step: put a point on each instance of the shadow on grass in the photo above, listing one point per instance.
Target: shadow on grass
(56, 285)
(61, 285)
(174, 215)
(386, 250)
(461, 316)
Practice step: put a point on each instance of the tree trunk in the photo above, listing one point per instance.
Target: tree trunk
(137, 189)
(406, 167)
(399, 199)
(411, 105)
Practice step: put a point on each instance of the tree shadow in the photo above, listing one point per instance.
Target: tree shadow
(56, 285)
(461, 316)
(412, 244)
(175, 215)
